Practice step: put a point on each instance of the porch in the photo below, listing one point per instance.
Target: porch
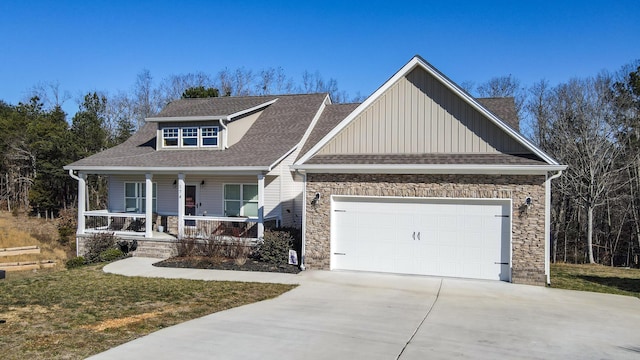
(169, 207)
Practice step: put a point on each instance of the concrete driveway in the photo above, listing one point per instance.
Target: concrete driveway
(348, 315)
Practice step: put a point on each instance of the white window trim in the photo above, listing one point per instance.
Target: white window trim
(183, 137)
(242, 201)
(164, 145)
(217, 136)
(140, 196)
(200, 142)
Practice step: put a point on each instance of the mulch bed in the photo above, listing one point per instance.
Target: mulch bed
(195, 262)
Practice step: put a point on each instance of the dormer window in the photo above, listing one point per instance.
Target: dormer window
(210, 136)
(170, 136)
(190, 137)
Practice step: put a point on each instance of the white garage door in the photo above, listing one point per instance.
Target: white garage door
(442, 237)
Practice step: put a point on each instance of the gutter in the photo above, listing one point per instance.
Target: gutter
(73, 176)
(427, 168)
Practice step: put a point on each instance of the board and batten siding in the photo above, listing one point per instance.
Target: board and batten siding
(417, 115)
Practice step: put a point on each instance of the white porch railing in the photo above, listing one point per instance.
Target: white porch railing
(207, 226)
(131, 224)
(134, 224)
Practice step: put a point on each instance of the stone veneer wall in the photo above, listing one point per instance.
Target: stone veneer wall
(527, 237)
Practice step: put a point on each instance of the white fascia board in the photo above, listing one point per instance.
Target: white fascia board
(413, 63)
(429, 169)
(170, 170)
(275, 163)
(186, 118)
(246, 111)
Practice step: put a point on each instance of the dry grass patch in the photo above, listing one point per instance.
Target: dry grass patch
(27, 231)
(596, 278)
(76, 313)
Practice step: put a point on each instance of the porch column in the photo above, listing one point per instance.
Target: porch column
(181, 206)
(260, 206)
(148, 200)
(82, 201)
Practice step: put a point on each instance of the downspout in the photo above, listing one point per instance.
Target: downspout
(547, 224)
(224, 138)
(304, 220)
(76, 178)
(81, 207)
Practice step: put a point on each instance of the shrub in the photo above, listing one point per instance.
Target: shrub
(75, 262)
(111, 254)
(275, 247)
(67, 224)
(97, 244)
(186, 247)
(239, 250)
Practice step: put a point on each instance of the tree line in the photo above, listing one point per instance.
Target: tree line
(591, 124)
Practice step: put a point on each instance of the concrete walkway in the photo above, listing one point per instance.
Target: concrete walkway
(349, 315)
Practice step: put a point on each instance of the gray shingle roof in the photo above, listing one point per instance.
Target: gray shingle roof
(218, 106)
(504, 108)
(279, 128)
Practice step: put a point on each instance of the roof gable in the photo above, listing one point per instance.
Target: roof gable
(419, 110)
(419, 115)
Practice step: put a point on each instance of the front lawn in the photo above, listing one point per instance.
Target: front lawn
(76, 313)
(596, 278)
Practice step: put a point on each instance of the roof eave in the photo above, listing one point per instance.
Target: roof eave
(168, 170)
(428, 169)
(186, 118)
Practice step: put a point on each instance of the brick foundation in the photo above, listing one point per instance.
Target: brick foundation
(527, 238)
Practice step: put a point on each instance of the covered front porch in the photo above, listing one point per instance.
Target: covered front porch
(164, 206)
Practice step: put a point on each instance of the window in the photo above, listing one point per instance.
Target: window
(241, 200)
(135, 197)
(170, 136)
(210, 136)
(190, 136)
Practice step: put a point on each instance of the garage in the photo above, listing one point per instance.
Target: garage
(467, 238)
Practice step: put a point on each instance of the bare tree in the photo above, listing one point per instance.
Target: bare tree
(584, 139)
(504, 86)
(243, 80)
(49, 94)
(539, 113)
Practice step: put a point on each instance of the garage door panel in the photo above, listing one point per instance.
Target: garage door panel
(461, 238)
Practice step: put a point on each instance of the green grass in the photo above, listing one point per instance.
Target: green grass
(596, 278)
(75, 313)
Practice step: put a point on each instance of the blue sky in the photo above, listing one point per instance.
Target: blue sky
(102, 45)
